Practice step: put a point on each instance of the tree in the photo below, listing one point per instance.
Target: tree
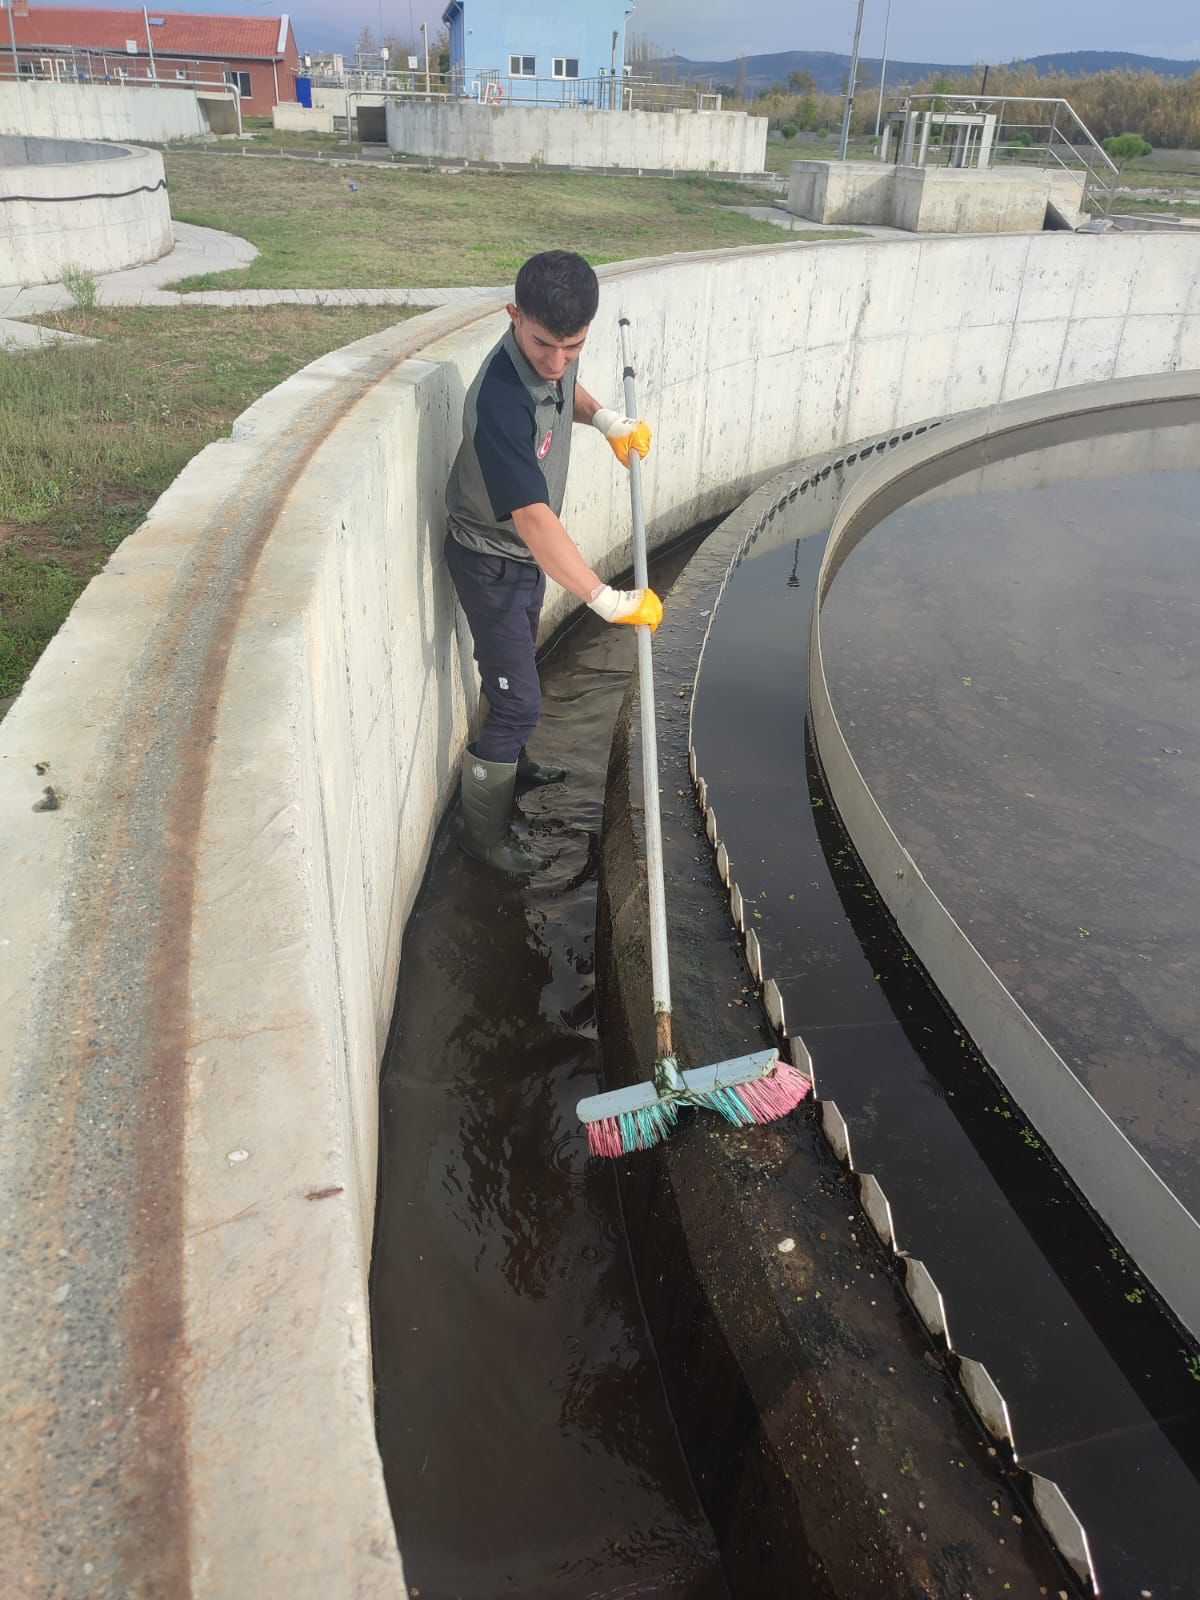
(439, 51)
(802, 82)
(365, 44)
(1123, 147)
(399, 49)
(642, 53)
(789, 130)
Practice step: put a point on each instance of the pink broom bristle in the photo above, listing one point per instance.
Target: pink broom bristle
(604, 1138)
(781, 1091)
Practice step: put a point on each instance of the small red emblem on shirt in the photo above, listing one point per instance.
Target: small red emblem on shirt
(544, 448)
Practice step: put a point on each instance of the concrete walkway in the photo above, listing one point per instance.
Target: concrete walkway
(794, 224)
(196, 250)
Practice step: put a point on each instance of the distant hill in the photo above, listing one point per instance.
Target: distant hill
(830, 70)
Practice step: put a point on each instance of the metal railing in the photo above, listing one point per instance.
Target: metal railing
(604, 93)
(1028, 131)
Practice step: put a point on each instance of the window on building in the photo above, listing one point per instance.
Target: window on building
(522, 66)
(181, 74)
(241, 79)
(566, 66)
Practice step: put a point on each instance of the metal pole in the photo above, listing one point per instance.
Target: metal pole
(883, 67)
(150, 45)
(12, 34)
(425, 36)
(660, 973)
(845, 140)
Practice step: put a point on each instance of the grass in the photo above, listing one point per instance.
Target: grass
(90, 436)
(406, 228)
(1174, 208)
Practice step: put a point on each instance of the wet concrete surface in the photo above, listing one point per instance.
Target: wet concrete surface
(526, 1439)
(831, 1448)
(1100, 1383)
(1018, 675)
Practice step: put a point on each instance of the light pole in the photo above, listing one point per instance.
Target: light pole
(883, 67)
(12, 34)
(150, 45)
(845, 140)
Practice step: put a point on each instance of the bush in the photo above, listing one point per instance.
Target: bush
(789, 130)
(1124, 147)
(81, 286)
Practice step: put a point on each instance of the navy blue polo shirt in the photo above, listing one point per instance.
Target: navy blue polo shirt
(515, 451)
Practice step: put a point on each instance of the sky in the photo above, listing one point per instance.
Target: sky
(715, 30)
(923, 30)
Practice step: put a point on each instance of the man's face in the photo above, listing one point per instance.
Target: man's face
(546, 353)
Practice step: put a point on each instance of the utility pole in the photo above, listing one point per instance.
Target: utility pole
(425, 36)
(12, 34)
(150, 44)
(883, 68)
(845, 140)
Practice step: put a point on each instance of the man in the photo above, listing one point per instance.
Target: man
(505, 537)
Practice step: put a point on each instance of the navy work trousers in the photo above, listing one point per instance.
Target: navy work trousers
(503, 601)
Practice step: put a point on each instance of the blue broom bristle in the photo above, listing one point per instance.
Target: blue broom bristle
(730, 1105)
(632, 1130)
(648, 1126)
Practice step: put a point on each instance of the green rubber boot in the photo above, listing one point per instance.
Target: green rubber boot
(487, 805)
(533, 774)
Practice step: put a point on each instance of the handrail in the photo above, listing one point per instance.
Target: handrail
(491, 87)
(1072, 148)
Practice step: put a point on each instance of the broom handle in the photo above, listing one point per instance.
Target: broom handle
(660, 972)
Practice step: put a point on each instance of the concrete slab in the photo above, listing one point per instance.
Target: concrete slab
(791, 223)
(32, 336)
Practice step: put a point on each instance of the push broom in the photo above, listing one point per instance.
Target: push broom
(747, 1090)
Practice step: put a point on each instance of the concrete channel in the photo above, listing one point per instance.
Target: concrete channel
(249, 728)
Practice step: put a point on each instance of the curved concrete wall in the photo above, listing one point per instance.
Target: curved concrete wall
(249, 726)
(99, 111)
(566, 136)
(74, 203)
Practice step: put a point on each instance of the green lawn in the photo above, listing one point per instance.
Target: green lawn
(407, 229)
(90, 436)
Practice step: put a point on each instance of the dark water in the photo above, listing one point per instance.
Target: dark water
(1099, 1382)
(526, 1440)
(1018, 676)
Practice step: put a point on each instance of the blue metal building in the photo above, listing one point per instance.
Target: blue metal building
(572, 50)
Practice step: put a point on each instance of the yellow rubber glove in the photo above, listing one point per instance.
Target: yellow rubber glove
(624, 434)
(628, 605)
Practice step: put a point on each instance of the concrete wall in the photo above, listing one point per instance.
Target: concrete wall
(99, 111)
(327, 98)
(557, 136)
(932, 199)
(841, 191)
(70, 203)
(250, 724)
(942, 200)
(294, 117)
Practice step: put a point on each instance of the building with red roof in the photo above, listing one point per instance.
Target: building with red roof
(258, 54)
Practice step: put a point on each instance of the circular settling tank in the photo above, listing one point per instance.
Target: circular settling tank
(76, 203)
(1080, 508)
(1006, 697)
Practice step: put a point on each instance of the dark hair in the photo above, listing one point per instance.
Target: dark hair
(559, 290)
